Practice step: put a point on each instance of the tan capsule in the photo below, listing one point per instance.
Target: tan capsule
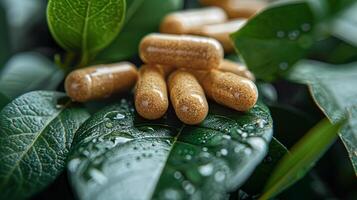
(100, 81)
(221, 32)
(184, 22)
(236, 68)
(151, 101)
(238, 8)
(230, 90)
(187, 97)
(195, 52)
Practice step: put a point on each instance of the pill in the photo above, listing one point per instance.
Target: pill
(151, 101)
(236, 68)
(100, 81)
(184, 51)
(221, 32)
(238, 8)
(184, 22)
(187, 97)
(230, 90)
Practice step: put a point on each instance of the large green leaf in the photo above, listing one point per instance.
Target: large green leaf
(85, 26)
(334, 90)
(271, 42)
(27, 72)
(36, 134)
(143, 17)
(303, 157)
(118, 155)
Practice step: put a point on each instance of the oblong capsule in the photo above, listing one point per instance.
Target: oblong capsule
(151, 100)
(230, 90)
(236, 68)
(184, 22)
(221, 32)
(100, 81)
(187, 97)
(238, 8)
(195, 52)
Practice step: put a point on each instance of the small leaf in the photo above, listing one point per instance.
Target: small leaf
(27, 72)
(142, 17)
(36, 133)
(85, 26)
(118, 155)
(333, 88)
(270, 44)
(303, 156)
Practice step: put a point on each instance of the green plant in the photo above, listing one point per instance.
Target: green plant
(109, 152)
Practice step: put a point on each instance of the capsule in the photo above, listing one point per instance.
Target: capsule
(151, 101)
(101, 81)
(238, 8)
(236, 68)
(195, 52)
(187, 97)
(230, 90)
(221, 32)
(184, 22)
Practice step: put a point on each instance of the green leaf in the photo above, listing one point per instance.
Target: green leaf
(118, 155)
(333, 88)
(4, 38)
(276, 152)
(27, 72)
(303, 156)
(85, 26)
(36, 133)
(275, 39)
(142, 17)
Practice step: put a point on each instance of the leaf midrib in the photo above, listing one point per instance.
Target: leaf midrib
(167, 159)
(40, 132)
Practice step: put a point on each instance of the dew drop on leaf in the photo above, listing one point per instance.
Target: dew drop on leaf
(206, 170)
(219, 176)
(177, 175)
(224, 152)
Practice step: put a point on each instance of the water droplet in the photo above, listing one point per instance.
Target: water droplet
(119, 116)
(237, 149)
(219, 176)
(73, 164)
(280, 34)
(247, 151)
(244, 134)
(228, 137)
(305, 27)
(153, 144)
(261, 123)
(120, 140)
(224, 152)
(171, 194)
(177, 175)
(283, 66)
(218, 153)
(146, 129)
(204, 149)
(189, 188)
(109, 125)
(137, 158)
(206, 170)
(97, 176)
(135, 148)
(293, 35)
(188, 157)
